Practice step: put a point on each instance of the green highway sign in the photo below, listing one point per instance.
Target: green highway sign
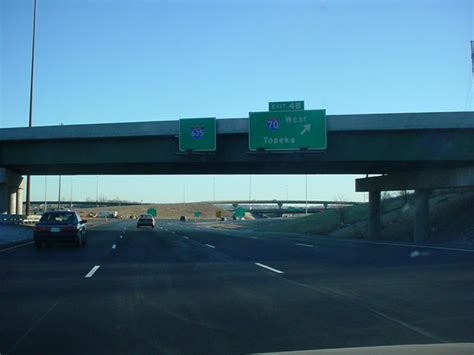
(197, 134)
(239, 212)
(287, 130)
(197, 214)
(286, 106)
(151, 212)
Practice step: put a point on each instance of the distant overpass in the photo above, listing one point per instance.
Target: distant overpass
(66, 203)
(280, 203)
(284, 211)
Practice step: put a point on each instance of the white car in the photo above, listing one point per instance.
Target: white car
(146, 220)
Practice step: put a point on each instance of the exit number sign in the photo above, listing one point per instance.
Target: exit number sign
(286, 106)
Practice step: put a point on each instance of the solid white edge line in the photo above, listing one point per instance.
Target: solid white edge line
(269, 268)
(210, 246)
(407, 245)
(92, 272)
(305, 245)
(185, 237)
(16, 246)
(114, 246)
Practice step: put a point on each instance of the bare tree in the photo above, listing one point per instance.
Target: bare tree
(341, 210)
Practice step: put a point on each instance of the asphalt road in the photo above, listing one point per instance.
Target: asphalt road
(183, 289)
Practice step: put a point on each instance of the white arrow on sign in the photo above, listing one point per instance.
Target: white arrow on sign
(306, 128)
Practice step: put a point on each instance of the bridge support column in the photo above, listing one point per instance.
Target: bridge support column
(10, 184)
(3, 198)
(19, 198)
(422, 215)
(12, 200)
(374, 215)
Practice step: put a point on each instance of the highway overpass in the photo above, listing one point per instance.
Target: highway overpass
(393, 144)
(283, 202)
(357, 144)
(278, 212)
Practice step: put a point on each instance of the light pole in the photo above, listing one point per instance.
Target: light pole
(30, 115)
(214, 189)
(250, 187)
(70, 201)
(45, 193)
(250, 191)
(306, 194)
(97, 191)
(59, 194)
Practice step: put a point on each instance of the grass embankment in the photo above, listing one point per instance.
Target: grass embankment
(451, 217)
(165, 210)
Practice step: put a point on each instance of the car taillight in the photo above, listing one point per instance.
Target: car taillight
(70, 229)
(41, 229)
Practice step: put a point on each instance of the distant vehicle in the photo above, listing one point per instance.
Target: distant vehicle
(223, 218)
(60, 226)
(108, 214)
(146, 220)
(183, 218)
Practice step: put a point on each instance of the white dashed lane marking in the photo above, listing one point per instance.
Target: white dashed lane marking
(92, 271)
(269, 268)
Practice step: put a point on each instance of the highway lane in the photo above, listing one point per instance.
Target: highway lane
(183, 289)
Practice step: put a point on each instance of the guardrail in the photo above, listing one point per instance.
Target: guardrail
(32, 219)
(19, 219)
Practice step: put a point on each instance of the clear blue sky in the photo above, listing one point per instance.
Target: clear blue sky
(122, 61)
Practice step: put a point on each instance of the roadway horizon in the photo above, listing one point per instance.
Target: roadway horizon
(199, 188)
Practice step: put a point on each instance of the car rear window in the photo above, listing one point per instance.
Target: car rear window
(58, 217)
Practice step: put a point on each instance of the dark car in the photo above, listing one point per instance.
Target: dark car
(60, 226)
(146, 220)
(183, 218)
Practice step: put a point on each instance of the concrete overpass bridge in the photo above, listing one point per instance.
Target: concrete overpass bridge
(279, 212)
(281, 203)
(433, 144)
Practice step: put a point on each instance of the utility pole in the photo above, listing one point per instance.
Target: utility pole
(30, 116)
